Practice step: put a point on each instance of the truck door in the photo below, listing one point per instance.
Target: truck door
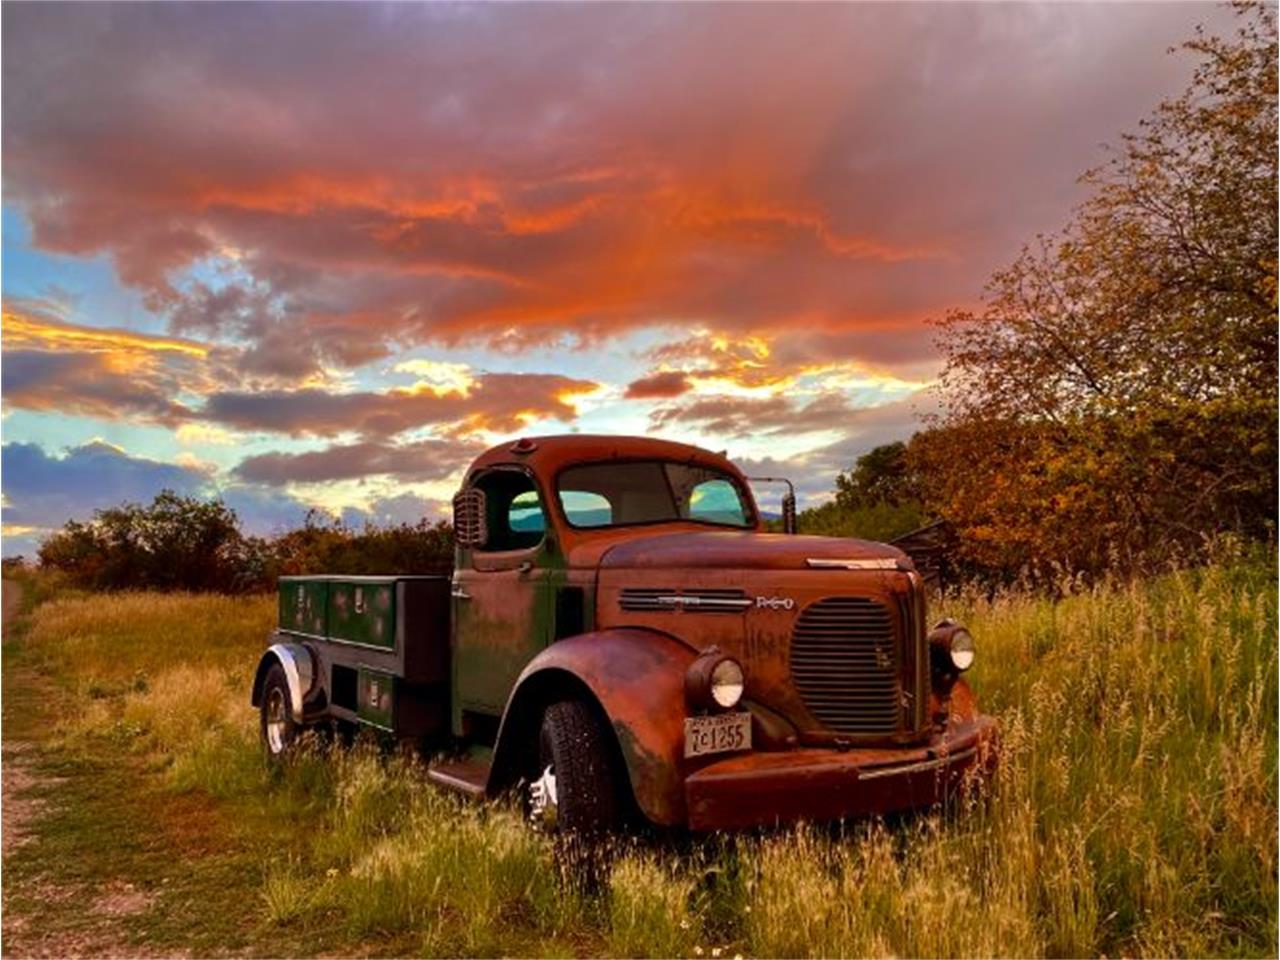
(503, 600)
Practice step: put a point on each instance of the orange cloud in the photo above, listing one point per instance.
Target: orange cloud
(22, 330)
(534, 174)
(53, 365)
(495, 403)
(662, 385)
(765, 364)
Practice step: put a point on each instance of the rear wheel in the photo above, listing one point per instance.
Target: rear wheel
(574, 788)
(278, 726)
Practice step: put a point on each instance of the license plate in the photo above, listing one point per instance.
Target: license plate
(720, 733)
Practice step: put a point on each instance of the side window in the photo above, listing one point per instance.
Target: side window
(586, 509)
(716, 501)
(513, 511)
(525, 513)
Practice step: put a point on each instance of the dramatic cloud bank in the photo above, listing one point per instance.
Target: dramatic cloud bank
(412, 229)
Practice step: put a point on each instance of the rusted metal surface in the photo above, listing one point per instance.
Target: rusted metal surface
(758, 789)
(736, 549)
(760, 636)
(637, 677)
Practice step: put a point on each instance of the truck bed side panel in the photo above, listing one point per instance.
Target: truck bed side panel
(396, 628)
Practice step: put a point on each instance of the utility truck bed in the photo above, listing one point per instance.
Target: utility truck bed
(381, 646)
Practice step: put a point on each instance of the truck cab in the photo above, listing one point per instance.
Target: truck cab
(622, 637)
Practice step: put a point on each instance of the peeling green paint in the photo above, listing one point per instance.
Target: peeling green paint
(375, 700)
(363, 612)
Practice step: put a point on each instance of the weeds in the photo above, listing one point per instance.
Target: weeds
(1134, 811)
(287, 892)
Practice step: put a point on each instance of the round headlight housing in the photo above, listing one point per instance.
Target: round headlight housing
(951, 649)
(714, 681)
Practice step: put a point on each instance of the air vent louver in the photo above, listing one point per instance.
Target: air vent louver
(469, 527)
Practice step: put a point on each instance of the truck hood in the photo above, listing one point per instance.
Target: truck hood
(741, 549)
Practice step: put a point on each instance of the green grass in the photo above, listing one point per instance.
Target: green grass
(1134, 812)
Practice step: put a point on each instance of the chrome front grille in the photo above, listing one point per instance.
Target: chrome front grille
(701, 600)
(845, 665)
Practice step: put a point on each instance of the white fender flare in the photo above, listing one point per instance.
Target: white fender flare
(299, 670)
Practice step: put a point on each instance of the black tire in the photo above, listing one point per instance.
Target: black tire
(575, 747)
(277, 725)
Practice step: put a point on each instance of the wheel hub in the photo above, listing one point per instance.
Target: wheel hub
(544, 807)
(275, 722)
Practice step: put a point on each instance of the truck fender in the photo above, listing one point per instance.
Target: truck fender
(299, 671)
(636, 679)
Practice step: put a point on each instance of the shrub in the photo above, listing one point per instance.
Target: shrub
(183, 543)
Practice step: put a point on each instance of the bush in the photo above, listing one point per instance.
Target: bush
(875, 521)
(176, 543)
(183, 543)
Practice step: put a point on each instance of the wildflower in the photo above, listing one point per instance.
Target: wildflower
(684, 924)
(716, 951)
(331, 872)
(697, 951)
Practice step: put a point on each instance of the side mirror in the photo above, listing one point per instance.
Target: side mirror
(469, 527)
(788, 501)
(789, 513)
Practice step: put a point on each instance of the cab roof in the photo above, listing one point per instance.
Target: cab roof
(548, 455)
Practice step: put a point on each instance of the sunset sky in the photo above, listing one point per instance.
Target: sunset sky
(322, 255)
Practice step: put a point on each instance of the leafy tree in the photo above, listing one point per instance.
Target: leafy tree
(882, 475)
(1115, 397)
(877, 499)
(174, 543)
(876, 521)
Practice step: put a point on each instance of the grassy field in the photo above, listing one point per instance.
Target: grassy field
(1135, 812)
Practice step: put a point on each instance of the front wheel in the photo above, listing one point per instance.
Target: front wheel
(278, 725)
(574, 789)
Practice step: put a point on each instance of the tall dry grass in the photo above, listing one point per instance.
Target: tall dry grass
(1135, 810)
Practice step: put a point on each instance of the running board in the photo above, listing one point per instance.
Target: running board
(468, 776)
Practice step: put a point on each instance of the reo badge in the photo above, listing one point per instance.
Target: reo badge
(774, 603)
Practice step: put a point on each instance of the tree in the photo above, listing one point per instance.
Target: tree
(181, 543)
(174, 543)
(881, 475)
(877, 499)
(1116, 394)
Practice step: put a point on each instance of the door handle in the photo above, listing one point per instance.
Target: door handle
(459, 594)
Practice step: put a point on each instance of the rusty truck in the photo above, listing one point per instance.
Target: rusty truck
(622, 638)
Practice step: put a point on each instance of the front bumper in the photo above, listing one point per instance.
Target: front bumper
(764, 789)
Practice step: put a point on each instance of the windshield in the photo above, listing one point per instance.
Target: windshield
(618, 494)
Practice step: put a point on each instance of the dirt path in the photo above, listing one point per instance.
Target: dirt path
(16, 778)
(26, 795)
(11, 593)
(71, 888)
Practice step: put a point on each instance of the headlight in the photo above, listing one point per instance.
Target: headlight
(951, 648)
(714, 681)
(962, 650)
(727, 683)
